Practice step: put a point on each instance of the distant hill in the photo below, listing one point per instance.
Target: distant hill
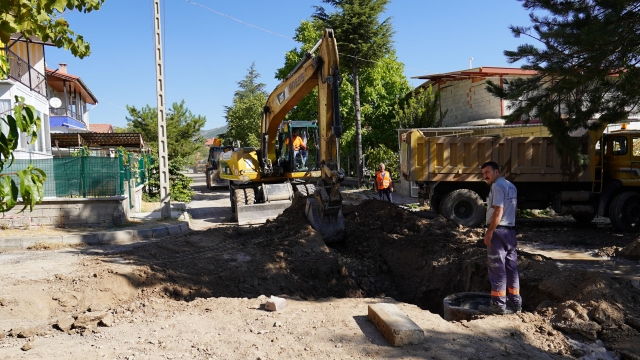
(208, 134)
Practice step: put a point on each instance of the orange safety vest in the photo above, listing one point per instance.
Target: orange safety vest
(297, 143)
(383, 181)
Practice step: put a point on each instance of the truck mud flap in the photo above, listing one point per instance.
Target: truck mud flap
(330, 226)
(260, 213)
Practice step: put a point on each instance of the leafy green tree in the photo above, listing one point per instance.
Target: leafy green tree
(41, 18)
(183, 130)
(420, 109)
(362, 41)
(587, 66)
(244, 116)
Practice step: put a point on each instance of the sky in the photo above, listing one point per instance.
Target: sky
(209, 45)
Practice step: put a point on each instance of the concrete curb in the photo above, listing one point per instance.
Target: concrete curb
(118, 237)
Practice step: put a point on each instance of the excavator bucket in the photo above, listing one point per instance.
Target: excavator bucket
(260, 213)
(328, 222)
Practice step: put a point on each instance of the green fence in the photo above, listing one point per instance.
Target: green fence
(86, 176)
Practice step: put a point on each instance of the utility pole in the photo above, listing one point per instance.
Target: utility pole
(163, 165)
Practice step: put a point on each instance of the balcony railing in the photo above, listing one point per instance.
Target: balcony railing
(65, 112)
(26, 74)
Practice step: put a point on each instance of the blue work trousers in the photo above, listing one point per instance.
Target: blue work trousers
(503, 267)
(385, 193)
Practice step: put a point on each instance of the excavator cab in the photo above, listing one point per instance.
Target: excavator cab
(298, 146)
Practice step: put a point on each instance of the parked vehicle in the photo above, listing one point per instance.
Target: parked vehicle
(447, 172)
(213, 167)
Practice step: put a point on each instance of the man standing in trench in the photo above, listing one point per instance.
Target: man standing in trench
(501, 243)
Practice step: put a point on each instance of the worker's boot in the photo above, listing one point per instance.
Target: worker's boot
(494, 309)
(516, 308)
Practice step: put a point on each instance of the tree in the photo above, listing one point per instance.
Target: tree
(362, 40)
(244, 116)
(183, 130)
(587, 67)
(420, 109)
(41, 18)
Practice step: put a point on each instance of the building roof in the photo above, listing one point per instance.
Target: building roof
(72, 140)
(479, 72)
(34, 39)
(101, 128)
(58, 80)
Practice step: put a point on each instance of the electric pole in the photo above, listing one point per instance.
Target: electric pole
(163, 165)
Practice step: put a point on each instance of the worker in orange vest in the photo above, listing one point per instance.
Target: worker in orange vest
(383, 183)
(299, 146)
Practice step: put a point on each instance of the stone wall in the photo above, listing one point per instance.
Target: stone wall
(467, 100)
(70, 213)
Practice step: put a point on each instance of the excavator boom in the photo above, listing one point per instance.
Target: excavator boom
(294, 156)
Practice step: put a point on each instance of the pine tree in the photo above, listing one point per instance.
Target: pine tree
(243, 117)
(586, 67)
(362, 41)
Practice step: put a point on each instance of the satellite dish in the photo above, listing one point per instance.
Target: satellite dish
(55, 102)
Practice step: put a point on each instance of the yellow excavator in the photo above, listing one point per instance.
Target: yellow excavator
(294, 156)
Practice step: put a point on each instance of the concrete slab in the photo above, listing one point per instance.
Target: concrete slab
(116, 237)
(395, 325)
(174, 229)
(160, 232)
(143, 233)
(11, 243)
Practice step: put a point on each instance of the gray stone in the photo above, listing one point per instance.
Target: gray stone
(174, 229)
(88, 239)
(395, 325)
(184, 227)
(275, 303)
(160, 232)
(11, 243)
(28, 346)
(27, 333)
(143, 233)
(115, 237)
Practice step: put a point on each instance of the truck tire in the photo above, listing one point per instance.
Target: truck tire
(624, 211)
(464, 206)
(583, 218)
(250, 196)
(232, 197)
(306, 189)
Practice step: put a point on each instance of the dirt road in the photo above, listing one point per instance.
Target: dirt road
(202, 295)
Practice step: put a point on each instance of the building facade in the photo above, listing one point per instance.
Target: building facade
(26, 79)
(70, 101)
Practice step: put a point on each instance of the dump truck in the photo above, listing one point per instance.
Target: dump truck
(213, 179)
(603, 181)
(264, 180)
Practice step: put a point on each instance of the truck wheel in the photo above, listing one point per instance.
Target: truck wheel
(232, 197)
(306, 189)
(464, 206)
(583, 218)
(624, 211)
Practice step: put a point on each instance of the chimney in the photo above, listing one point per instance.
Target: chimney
(62, 68)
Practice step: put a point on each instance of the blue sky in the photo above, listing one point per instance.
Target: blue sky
(207, 53)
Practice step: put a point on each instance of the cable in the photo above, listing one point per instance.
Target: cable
(283, 36)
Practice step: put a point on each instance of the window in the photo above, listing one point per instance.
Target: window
(636, 146)
(619, 145)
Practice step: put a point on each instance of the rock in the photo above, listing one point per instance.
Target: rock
(65, 324)
(28, 346)
(568, 314)
(89, 320)
(588, 329)
(607, 315)
(277, 324)
(27, 333)
(107, 320)
(631, 321)
(2, 334)
(631, 251)
(275, 303)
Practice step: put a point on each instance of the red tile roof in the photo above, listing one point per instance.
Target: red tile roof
(101, 128)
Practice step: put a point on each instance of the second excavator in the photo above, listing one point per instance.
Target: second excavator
(294, 156)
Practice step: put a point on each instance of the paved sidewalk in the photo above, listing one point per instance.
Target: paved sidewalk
(141, 227)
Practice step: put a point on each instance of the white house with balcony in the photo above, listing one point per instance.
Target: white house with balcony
(27, 79)
(70, 101)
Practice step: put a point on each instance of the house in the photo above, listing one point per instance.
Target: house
(69, 98)
(27, 79)
(464, 97)
(101, 128)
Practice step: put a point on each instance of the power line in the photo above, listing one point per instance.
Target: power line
(277, 34)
